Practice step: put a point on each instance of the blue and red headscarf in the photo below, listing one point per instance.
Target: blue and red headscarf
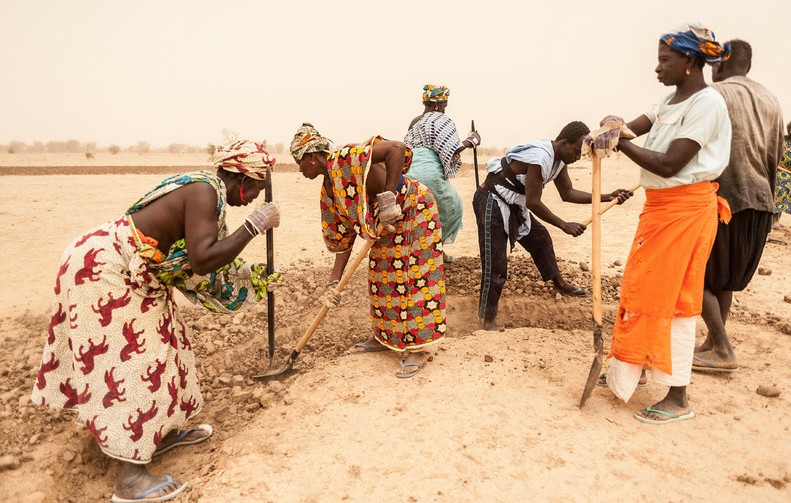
(697, 40)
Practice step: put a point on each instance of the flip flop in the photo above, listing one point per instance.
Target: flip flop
(670, 416)
(703, 365)
(180, 439)
(142, 495)
(602, 381)
(367, 348)
(416, 365)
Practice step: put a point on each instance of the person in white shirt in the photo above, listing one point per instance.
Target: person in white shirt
(687, 148)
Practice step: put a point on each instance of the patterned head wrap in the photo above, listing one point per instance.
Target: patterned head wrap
(244, 156)
(306, 140)
(435, 93)
(696, 40)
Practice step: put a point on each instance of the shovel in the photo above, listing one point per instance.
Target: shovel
(270, 269)
(475, 157)
(347, 275)
(598, 342)
(608, 206)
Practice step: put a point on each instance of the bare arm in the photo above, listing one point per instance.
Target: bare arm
(666, 164)
(640, 125)
(534, 188)
(567, 191)
(341, 259)
(206, 252)
(392, 155)
(571, 195)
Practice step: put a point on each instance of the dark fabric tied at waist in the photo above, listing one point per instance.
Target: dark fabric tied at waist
(507, 179)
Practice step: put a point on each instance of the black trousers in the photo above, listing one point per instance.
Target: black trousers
(494, 248)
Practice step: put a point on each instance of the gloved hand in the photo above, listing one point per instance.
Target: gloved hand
(474, 138)
(331, 296)
(264, 218)
(389, 211)
(624, 130)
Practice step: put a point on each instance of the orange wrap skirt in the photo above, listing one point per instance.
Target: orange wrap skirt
(664, 273)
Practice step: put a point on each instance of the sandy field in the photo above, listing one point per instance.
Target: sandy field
(493, 417)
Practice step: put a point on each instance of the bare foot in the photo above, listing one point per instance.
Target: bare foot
(135, 482)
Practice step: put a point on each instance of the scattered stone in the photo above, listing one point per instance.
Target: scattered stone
(488, 358)
(238, 380)
(67, 456)
(764, 271)
(617, 263)
(584, 266)
(9, 462)
(225, 379)
(768, 391)
(34, 439)
(276, 387)
(558, 297)
(787, 298)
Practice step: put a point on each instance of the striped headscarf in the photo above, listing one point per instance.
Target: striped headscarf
(306, 140)
(696, 40)
(243, 156)
(435, 93)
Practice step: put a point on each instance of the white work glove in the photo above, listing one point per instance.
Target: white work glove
(331, 296)
(389, 211)
(474, 138)
(264, 218)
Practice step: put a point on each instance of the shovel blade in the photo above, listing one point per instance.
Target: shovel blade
(274, 372)
(593, 376)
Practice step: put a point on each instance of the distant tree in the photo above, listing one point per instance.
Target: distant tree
(53, 147)
(211, 149)
(73, 146)
(142, 147)
(16, 147)
(37, 147)
(114, 149)
(176, 148)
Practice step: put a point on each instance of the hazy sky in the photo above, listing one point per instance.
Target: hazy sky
(182, 71)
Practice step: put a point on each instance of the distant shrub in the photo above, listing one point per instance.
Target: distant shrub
(114, 149)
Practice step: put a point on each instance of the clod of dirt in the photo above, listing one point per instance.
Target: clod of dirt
(488, 358)
(768, 390)
(787, 299)
(9, 462)
(764, 271)
(747, 479)
(584, 266)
